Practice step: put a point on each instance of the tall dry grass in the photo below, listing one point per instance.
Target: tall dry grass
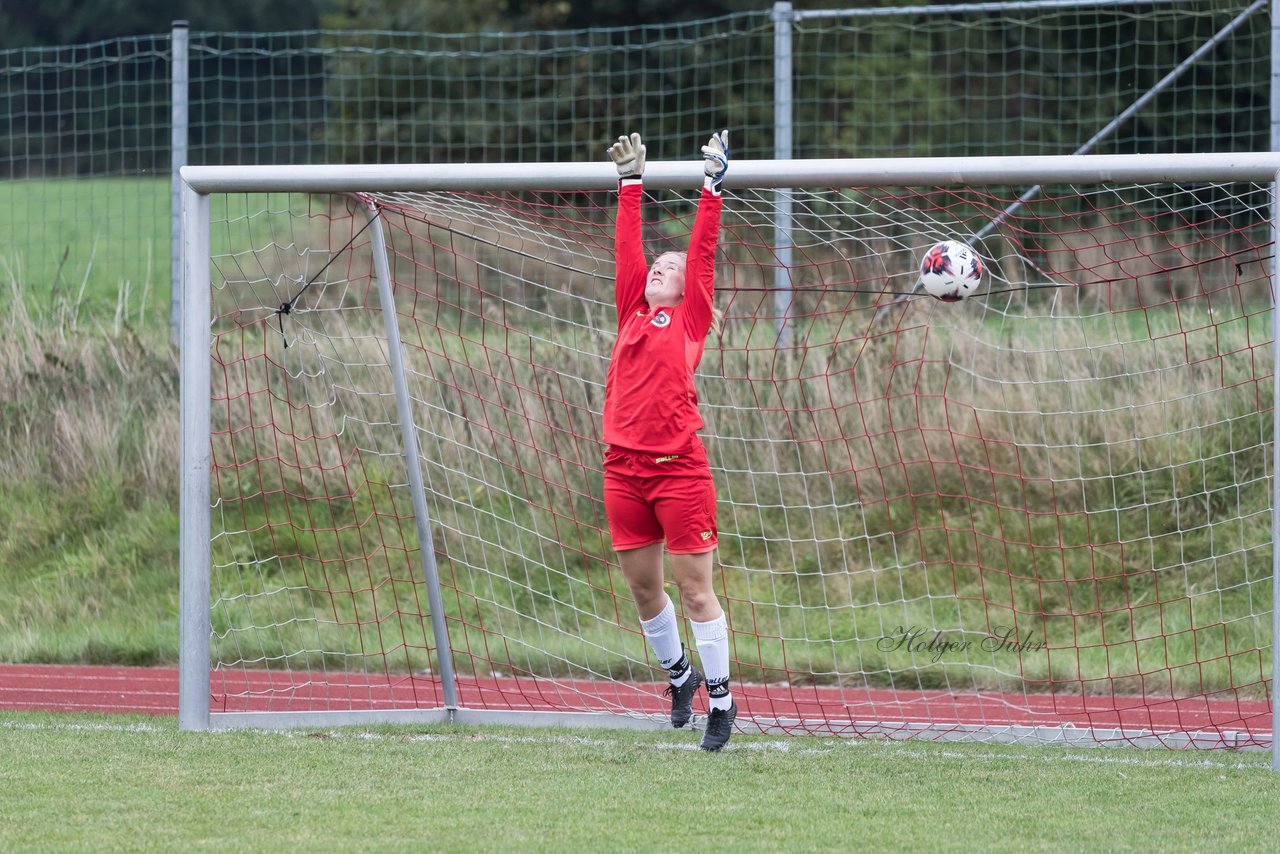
(83, 396)
(88, 511)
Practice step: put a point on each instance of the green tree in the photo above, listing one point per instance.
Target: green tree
(439, 16)
(24, 23)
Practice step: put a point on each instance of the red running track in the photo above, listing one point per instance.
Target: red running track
(824, 710)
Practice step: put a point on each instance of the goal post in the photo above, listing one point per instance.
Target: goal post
(1045, 514)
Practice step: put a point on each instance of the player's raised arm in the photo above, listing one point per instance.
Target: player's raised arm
(700, 270)
(628, 155)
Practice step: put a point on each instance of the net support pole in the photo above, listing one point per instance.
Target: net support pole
(196, 459)
(180, 74)
(782, 125)
(1275, 395)
(409, 437)
(1275, 463)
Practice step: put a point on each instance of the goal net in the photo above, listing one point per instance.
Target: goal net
(1041, 514)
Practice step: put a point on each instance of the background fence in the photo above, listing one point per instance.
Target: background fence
(88, 140)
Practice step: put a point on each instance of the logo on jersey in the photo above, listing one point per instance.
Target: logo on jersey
(667, 458)
(661, 319)
(706, 535)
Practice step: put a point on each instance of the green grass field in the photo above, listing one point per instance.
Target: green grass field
(94, 243)
(86, 782)
(101, 247)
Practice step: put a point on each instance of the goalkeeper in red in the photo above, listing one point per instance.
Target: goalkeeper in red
(657, 481)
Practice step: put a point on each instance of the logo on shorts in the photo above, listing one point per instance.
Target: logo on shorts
(706, 535)
(668, 458)
(661, 319)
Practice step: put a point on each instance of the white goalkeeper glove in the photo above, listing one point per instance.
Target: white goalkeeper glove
(628, 155)
(715, 156)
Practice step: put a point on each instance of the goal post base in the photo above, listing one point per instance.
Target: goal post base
(854, 730)
(219, 721)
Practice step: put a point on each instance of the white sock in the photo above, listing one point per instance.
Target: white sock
(664, 639)
(712, 638)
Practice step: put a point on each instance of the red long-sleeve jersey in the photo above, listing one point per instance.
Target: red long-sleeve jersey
(649, 401)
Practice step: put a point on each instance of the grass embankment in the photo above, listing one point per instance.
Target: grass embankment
(89, 417)
(88, 515)
(1101, 482)
(1142, 564)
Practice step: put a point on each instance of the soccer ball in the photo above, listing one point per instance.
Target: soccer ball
(951, 271)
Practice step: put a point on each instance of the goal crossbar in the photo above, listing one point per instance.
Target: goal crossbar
(744, 174)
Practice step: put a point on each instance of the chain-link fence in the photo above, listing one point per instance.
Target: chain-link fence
(87, 136)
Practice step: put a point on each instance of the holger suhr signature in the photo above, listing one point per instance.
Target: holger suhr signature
(936, 644)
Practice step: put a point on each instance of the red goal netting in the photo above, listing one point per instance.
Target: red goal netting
(1043, 513)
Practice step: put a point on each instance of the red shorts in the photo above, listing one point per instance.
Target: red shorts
(650, 497)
